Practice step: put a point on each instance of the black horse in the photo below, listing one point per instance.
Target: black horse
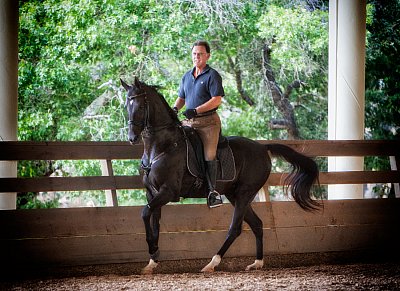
(167, 177)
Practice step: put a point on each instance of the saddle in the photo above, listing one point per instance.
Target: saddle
(195, 157)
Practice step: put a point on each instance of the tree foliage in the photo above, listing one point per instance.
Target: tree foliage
(295, 57)
(382, 111)
(383, 71)
(73, 52)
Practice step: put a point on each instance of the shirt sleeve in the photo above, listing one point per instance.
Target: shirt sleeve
(216, 88)
(181, 91)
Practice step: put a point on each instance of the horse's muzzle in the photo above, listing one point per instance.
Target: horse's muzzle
(134, 140)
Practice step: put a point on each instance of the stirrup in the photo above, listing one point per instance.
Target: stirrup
(214, 199)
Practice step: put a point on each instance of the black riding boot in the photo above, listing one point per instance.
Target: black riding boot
(214, 198)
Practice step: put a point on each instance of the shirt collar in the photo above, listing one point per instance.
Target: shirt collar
(206, 69)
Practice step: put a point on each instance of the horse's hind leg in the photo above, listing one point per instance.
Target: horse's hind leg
(234, 231)
(256, 226)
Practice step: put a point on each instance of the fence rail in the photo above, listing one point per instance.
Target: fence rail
(108, 151)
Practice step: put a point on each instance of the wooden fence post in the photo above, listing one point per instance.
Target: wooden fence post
(394, 166)
(111, 194)
(263, 194)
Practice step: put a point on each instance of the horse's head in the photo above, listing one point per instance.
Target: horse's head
(136, 103)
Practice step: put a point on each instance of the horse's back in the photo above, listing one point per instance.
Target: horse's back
(245, 146)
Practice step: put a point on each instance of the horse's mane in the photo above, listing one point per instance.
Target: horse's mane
(171, 112)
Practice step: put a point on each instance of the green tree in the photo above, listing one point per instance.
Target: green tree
(295, 64)
(382, 110)
(72, 54)
(383, 71)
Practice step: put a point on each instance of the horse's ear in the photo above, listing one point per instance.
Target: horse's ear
(125, 85)
(137, 82)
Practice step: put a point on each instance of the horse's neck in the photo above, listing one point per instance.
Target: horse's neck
(162, 138)
(159, 114)
(162, 141)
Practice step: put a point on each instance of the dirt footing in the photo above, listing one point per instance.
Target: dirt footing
(236, 264)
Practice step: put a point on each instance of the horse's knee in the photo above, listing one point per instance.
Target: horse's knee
(146, 213)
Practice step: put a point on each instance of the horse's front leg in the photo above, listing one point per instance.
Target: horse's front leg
(155, 221)
(153, 248)
(151, 214)
(152, 234)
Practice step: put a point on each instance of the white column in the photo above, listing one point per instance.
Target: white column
(346, 87)
(8, 89)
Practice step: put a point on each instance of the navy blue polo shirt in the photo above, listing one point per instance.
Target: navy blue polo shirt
(197, 91)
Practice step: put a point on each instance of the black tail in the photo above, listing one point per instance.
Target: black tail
(303, 175)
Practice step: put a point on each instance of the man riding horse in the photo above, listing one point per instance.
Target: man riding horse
(201, 91)
(165, 152)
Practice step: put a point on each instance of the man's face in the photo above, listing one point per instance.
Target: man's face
(200, 56)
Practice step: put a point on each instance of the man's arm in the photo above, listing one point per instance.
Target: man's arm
(179, 103)
(211, 104)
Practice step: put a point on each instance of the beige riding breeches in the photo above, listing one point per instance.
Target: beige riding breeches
(209, 128)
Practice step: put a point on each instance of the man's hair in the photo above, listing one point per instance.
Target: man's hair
(202, 43)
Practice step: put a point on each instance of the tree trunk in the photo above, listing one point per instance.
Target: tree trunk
(280, 99)
(239, 83)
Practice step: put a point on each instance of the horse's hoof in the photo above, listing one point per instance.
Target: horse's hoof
(258, 264)
(148, 270)
(211, 265)
(207, 270)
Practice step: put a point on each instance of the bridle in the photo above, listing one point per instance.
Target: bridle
(143, 123)
(147, 129)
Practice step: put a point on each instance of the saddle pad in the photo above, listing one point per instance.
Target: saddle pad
(226, 163)
(226, 169)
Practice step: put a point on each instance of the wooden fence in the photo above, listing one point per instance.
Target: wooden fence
(84, 236)
(108, 151)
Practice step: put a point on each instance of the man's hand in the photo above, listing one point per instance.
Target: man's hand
(190, 113)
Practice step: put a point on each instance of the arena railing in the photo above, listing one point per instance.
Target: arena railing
(106, 152)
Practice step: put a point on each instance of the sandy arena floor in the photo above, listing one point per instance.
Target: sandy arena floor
(378, 276)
